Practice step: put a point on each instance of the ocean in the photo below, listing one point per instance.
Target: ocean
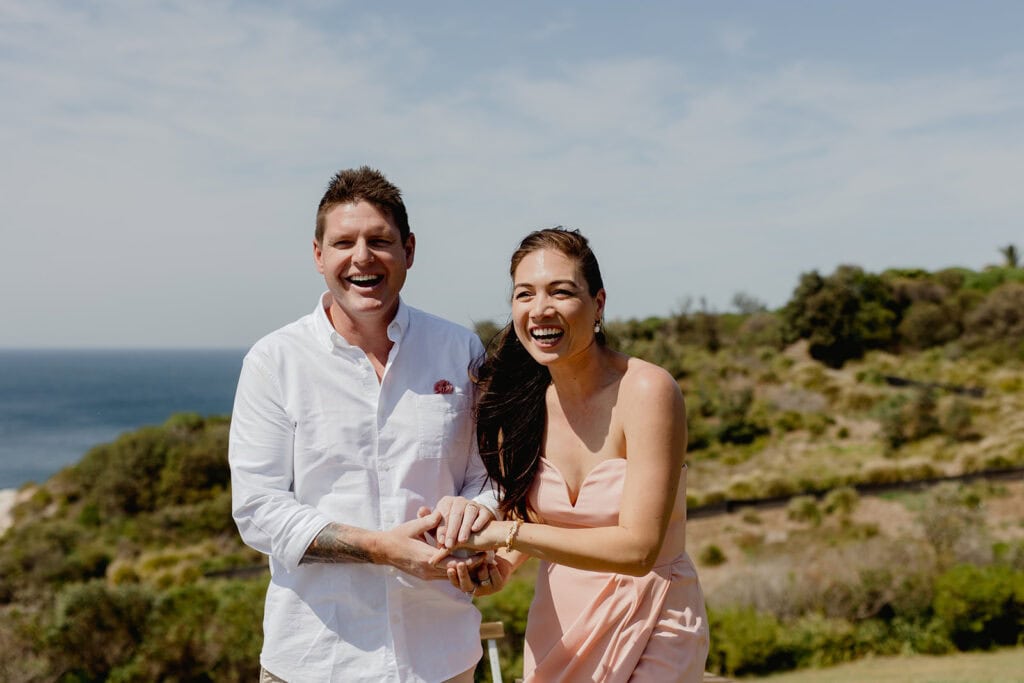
(56, 405)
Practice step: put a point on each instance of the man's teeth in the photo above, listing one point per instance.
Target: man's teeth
(546, 333)
(364, 279)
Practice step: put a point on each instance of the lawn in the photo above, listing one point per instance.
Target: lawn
(1001, 666)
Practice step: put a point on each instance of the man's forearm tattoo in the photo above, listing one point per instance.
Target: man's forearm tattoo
(330, 546)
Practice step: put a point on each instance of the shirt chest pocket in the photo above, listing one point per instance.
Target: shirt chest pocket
(444, 424)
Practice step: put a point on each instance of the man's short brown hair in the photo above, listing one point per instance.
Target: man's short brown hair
(368, 185)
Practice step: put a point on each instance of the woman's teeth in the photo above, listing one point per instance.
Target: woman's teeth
(546, 333)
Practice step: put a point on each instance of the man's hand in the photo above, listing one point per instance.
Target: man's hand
(459, 518)
(405, 547)
(487, 579)
(491, 537)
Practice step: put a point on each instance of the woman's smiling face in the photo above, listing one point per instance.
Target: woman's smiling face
(553, 312)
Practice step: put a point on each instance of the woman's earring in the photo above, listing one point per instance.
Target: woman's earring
(597, 327)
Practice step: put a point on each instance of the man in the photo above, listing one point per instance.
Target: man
(348, 423)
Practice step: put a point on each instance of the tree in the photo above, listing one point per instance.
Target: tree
(748, 304)
(999, 317)
(1010, 256)
(842, 315)
(706, 323)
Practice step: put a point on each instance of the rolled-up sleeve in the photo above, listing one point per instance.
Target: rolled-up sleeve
(260, 453)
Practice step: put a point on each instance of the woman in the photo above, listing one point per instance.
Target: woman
(587, 446)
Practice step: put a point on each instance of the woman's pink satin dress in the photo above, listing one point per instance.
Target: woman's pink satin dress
(596, 626)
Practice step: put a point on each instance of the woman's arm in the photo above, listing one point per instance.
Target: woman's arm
(654, 423)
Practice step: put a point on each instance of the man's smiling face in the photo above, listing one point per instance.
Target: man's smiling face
(363, 261)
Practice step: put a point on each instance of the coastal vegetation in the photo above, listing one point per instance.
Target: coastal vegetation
(851, 484)
(120, 567)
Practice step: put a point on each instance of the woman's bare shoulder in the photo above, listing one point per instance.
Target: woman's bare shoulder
(644, 380)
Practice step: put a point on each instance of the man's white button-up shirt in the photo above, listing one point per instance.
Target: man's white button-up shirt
(315, 438)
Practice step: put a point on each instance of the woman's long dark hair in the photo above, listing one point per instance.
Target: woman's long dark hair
(510, 409)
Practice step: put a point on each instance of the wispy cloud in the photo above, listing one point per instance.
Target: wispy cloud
(734, 39)
(169, 161)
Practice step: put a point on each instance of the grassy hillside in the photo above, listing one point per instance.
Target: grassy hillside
(786, 424)
(1001, 666)
(109, 570)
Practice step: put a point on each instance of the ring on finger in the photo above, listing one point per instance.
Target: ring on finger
(485, 582)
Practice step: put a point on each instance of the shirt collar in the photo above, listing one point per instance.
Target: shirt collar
(329, 336)
(398, 326)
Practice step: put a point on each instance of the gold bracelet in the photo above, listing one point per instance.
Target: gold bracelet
(512, 533)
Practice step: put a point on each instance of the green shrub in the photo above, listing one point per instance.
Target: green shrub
(926, 324)
(97, 628)
(818, 423)
(921, 417)
(175, 648)
(205, 631)
(736, 425)
(842, 500)
(699, 433)
(184, 461)
(712, 556)
(123, 475)
(761, 329)
(789, 421)
(779, 486)
(924, 635)
(191, 473)
(817, 641)
(889, 414)
(236, 634)
(804, 509)
(981, 607)
(955, 527)
(904, 419)
(185, 422)
(750, 516)
(999, 318)
(745, 642)
(43, 552)
(991, 278)
(200, 520)
(743, 489)
(22, 647)
(957, 423)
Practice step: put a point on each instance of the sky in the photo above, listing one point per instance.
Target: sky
(162, 161)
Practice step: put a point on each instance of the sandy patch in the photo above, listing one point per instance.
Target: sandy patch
(7, 499)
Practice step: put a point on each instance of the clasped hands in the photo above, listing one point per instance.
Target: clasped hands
(465, 537)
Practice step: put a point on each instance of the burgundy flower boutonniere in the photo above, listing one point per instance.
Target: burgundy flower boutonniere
(443, 386)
